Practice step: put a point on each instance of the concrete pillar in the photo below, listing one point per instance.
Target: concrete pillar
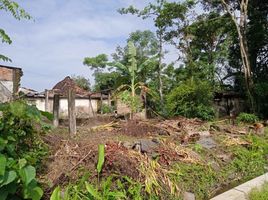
(101, 103)
(56, 106)
(71, 112)
(46, 101)
(91, 107)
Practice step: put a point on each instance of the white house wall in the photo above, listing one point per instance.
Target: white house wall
(8, 85)
(83, 107)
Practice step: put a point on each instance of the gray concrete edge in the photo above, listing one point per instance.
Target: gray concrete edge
(241, 192)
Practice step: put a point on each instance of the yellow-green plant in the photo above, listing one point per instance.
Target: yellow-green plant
(100, 159)
(132, 69)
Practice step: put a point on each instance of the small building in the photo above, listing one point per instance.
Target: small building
(9, 82)
(87, 103)
(226, 102)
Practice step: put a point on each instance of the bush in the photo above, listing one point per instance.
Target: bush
(106, 109)
(134, 103)
(247, 118)
(261, 96)
(20, 148)
(191, 99)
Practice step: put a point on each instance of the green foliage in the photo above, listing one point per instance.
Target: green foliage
(14, 8)
(82, 82)
(105, 192)
(131, 68)
(98, 62)
(108, 80)
(56, 194)
(134, 103)
(191, 99)
(100, 158)
(248, 162)
(5, 37)
(247, 118)
(111, 188)
(107, 109)
(195, 178)
(19, 139)
(146, 45)
(259, 194)
(48, 115)
(261, 91)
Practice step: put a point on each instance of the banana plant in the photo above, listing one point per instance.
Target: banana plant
(132, 69)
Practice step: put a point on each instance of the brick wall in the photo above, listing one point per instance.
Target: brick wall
(10, 81)
(6, 74)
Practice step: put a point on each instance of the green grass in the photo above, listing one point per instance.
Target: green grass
(259, 194)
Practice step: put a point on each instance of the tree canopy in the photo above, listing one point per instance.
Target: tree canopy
(220, 43)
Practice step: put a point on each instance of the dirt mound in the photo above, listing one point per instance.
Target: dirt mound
(140, 128)
(118, 160)
(79, 156)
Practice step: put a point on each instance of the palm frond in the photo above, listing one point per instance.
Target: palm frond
(120, 89)
(5, 59)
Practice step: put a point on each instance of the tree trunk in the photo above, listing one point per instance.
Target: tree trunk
(91, 107)
(241, 27)
(46, 101)
(71, 112)
(101, 110)
(160, 68)
(133, 97)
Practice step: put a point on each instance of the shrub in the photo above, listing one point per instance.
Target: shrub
(134, 103)
(261, 96)
(106, 109)
(191, 99)
(20, 148)
(247, 118)
(112, 187)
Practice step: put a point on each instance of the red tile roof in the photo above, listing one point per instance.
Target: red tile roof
(63, 87)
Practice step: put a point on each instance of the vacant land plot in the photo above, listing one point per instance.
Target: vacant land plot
(157, 159)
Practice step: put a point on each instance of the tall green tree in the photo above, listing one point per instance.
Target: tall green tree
(96, 63)
(108, 80)
(247, 60)
(108, 76)
(165, 15)
(153, 11)
(146, 45)
(18, 13)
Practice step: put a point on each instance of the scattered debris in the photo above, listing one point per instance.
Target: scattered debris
(106, 127)
(230, 141)
(145, 151)
(214, 127)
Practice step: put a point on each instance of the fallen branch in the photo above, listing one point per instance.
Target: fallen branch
(108, 126)
(172, 127)
(63, 176)
(157, 126)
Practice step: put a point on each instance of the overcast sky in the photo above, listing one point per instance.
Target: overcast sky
(62, 33)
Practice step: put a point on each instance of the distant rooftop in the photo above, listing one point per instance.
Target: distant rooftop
(67, 83)
(9, 67)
